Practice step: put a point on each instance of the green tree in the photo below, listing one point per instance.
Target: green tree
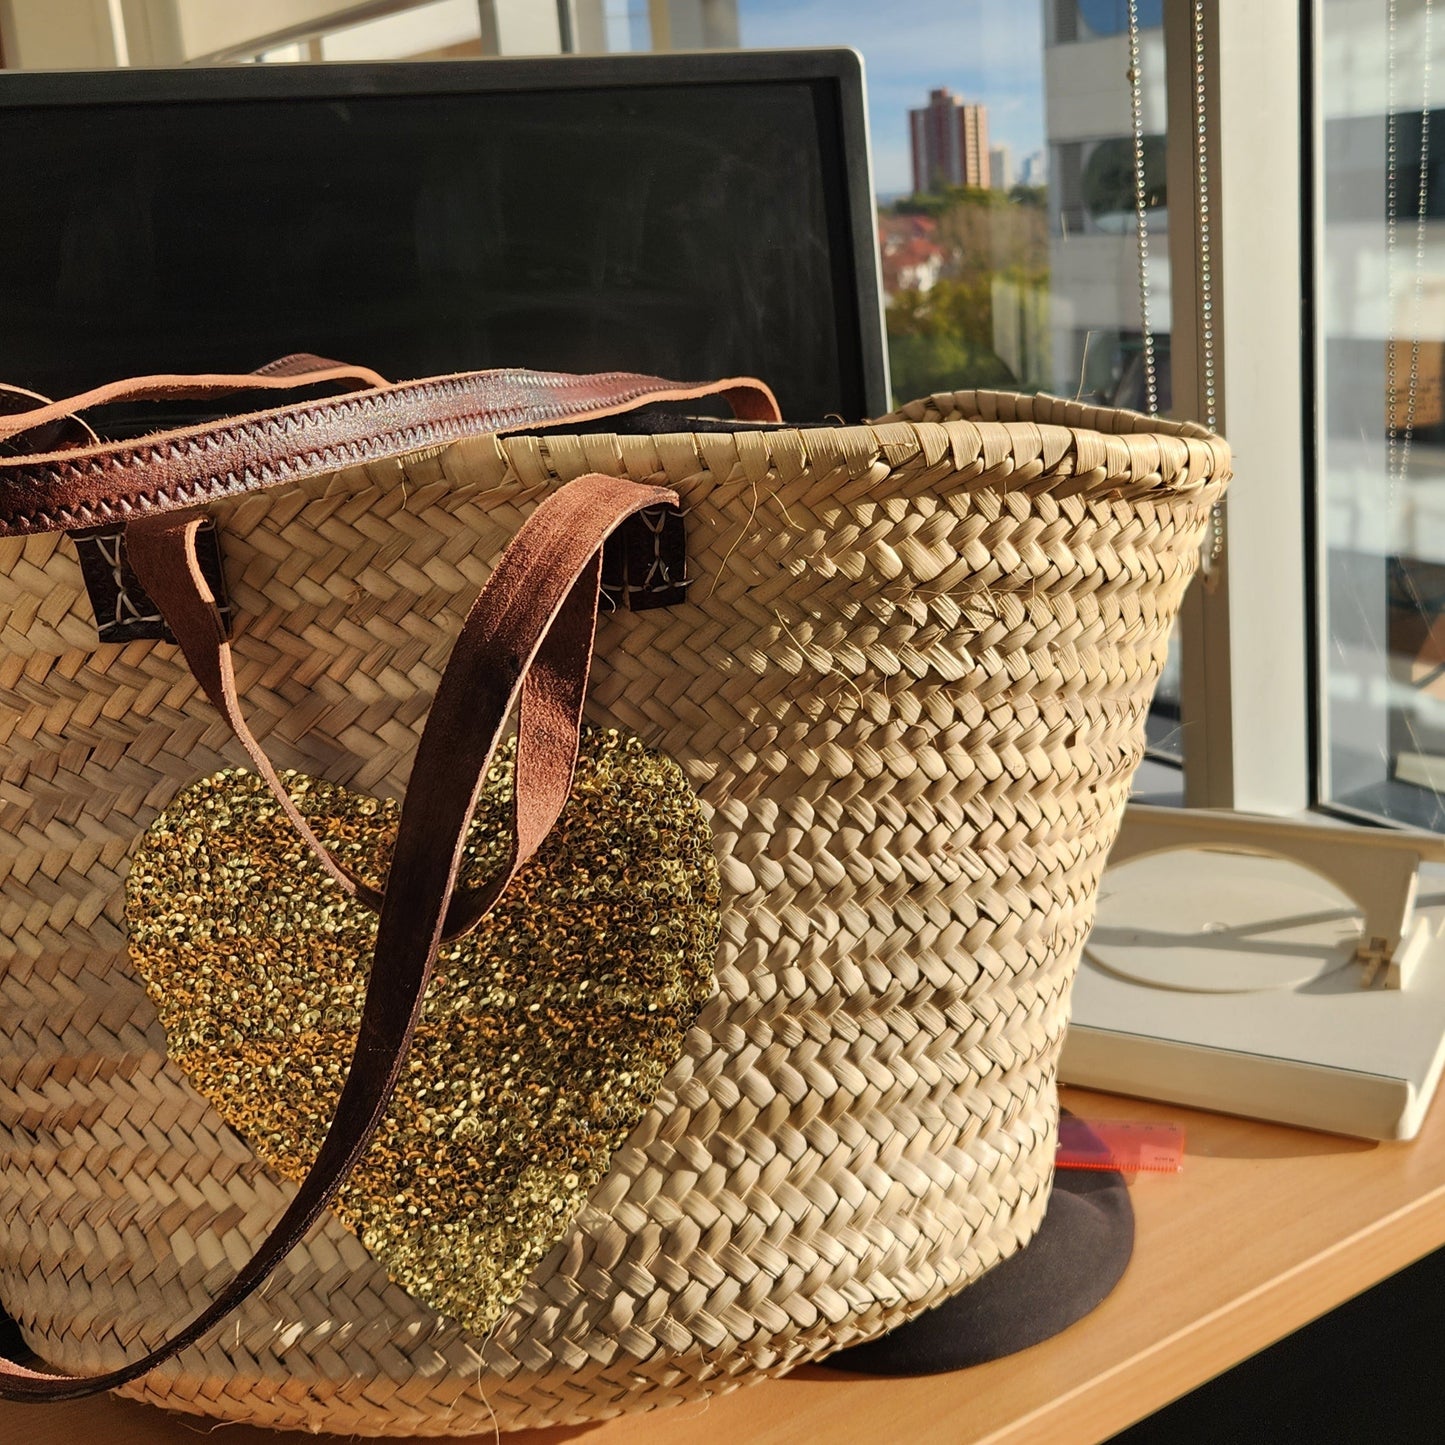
(925, 362)
(996, 249)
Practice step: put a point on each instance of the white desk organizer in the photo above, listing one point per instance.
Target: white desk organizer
(1279, 970)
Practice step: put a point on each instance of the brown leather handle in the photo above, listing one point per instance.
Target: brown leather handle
(528, 637)
(285, 374)
(161, 549)
(105, 483)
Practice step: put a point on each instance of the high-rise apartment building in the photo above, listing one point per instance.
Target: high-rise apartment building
(1001, 167)
(950, 143)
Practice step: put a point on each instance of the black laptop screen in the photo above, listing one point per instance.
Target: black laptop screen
(688, 229)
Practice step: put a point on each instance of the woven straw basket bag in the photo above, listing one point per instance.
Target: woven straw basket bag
(853, 787)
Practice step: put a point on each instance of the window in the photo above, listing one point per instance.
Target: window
(1075, 20)
(1380, 317)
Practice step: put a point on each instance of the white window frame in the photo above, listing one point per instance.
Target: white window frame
(1245, 631)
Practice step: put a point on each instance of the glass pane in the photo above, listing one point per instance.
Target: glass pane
(1005, 169)
(1380, 303)
(1095, 301)
(993, 273)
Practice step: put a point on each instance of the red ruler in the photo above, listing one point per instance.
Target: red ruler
(1129, 1147)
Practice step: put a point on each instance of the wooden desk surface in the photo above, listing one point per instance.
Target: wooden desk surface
(1265, 1229)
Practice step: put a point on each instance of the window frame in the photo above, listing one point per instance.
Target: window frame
(1248, 629)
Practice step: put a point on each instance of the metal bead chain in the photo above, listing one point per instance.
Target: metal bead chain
(1205, 254)
(1206, 262)
(1392, 216)
(1141, 218)
(1422, 200)
(1399, 437)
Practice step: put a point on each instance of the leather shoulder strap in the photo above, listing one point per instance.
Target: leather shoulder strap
(528, 637)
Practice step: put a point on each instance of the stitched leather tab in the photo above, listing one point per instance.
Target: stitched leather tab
(123, 610)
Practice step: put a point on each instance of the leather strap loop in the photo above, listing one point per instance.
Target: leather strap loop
(162, 552)
(161, 549)
(536, 615)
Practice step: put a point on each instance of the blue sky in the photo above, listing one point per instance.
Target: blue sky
(985, 50)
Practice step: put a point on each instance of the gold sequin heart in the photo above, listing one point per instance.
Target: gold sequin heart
(545, 1035)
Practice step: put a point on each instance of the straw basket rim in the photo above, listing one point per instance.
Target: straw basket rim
(967, 441)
